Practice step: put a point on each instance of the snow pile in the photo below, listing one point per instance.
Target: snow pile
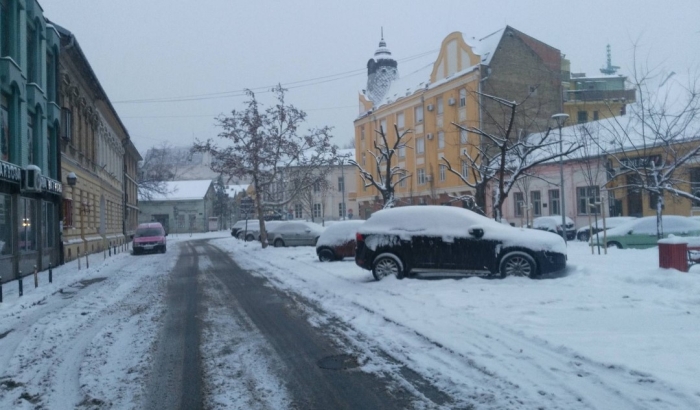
(448, 223)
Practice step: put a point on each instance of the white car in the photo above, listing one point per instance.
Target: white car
(584, 234)
(294, 233)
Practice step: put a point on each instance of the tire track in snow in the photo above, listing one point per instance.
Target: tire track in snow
(558, 376)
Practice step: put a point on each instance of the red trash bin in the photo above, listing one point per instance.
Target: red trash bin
(673, 254)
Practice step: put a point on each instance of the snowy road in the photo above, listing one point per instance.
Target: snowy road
(192, 329)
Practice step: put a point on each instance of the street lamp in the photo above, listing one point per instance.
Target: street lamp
(561, 120)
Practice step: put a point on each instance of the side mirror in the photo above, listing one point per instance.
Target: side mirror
(629, 233)
(476, 232)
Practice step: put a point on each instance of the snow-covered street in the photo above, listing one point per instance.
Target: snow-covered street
(612, 331)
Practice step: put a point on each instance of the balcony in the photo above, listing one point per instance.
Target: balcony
(601, 95)
(10, 72)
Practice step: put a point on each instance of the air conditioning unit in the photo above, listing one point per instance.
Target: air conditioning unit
(451, 101)
(430, 107)
(429, 136)
(31, 179)
(465, 152)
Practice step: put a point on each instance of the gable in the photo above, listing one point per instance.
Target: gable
(455, 56)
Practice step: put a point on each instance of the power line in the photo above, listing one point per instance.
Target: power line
(265, 89)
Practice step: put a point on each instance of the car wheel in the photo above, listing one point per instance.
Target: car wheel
(163, 249)
(584, 236)
(136, 251)
(618, 245)
(240, 235)
(250, 238)
(326, 255)
(518, 264)
(279, 243)
(385, 266)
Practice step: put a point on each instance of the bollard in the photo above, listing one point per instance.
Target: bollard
(21, 291)
(50, 273)
(87, 261)
(36, 278)
(110, 249)
(78, 260)
(0, 289)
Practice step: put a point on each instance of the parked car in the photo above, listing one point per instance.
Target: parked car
(584, 234)
(641, 233)
(240, 225)
(253, 233)
(294, 233)
(149, 237)
(337, 241)
(410, 239)
(552, 223)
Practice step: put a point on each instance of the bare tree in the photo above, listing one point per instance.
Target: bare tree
(315, 194)
(651, 147)
(267, 147)
(160, 165)
(504, 156)
(387, 176)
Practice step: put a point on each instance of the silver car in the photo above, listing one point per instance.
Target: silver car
(294, 233)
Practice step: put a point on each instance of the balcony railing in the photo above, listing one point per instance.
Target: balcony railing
(601, 95)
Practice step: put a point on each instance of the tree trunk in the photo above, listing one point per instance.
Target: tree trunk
(659, 212)
(261, 217)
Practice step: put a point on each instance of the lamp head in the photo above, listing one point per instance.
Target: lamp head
(560, 119)
(71, 178)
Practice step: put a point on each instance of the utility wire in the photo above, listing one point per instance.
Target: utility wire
(265, 89)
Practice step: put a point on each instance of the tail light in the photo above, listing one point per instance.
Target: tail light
(359, 237)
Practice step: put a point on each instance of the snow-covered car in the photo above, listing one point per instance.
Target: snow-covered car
(253, 231)
(406, 240)
(337, 241)
(241, 225)
(149, 237)
(641, 233)
(294, 233)
(584, 233)
(552, 223)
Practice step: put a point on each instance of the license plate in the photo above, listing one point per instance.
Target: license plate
(148, 246)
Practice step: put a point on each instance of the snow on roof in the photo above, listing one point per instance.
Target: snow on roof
(346, 152)
(486, 46)
(182, 191)
(233, 190)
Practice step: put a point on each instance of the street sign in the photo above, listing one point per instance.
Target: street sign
(247, 205)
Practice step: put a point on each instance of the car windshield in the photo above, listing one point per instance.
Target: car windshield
(146, 232)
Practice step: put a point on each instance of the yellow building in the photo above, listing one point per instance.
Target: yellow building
(430, 101)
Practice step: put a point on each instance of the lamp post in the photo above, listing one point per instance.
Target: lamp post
(342, 176)
(561, 120)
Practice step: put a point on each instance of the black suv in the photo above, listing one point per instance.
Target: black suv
(411, 239)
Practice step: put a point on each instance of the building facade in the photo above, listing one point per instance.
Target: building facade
(30, 120)
(186, 208)
(95, 153)
(507, 63)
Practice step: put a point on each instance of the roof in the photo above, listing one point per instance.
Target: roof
(182, 191)
(233, 190)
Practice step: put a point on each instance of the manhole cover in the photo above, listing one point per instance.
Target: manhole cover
(338, 362)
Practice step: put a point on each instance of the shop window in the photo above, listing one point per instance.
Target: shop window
(5, 225)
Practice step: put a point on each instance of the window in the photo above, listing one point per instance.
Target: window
(418, 111)
(585, 196)
(7, 31)
(362, 133)
(341, 184)
(4, 129)
(341, 210)
(298, 211)
(595, 115)
(31, 55)
(582, 117)
(518, 203)
(462, 136)
(6, 224)
(29, 158)
(441, 139)
(439, 106)
(554, 202)
(402, 184)
(536, 201)
(463, 97)
(317, 210)
(48, 224)
(400, 120)
(420, 145)
(421, 176)
(27, 233)
(382, 124)
(695, 185)
(465, 169)
(66, 120)
(317, 186)
(363, 159)
(443, 172)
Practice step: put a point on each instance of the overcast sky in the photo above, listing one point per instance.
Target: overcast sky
(212, 49)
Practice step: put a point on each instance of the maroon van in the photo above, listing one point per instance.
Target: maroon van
(337, 241)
